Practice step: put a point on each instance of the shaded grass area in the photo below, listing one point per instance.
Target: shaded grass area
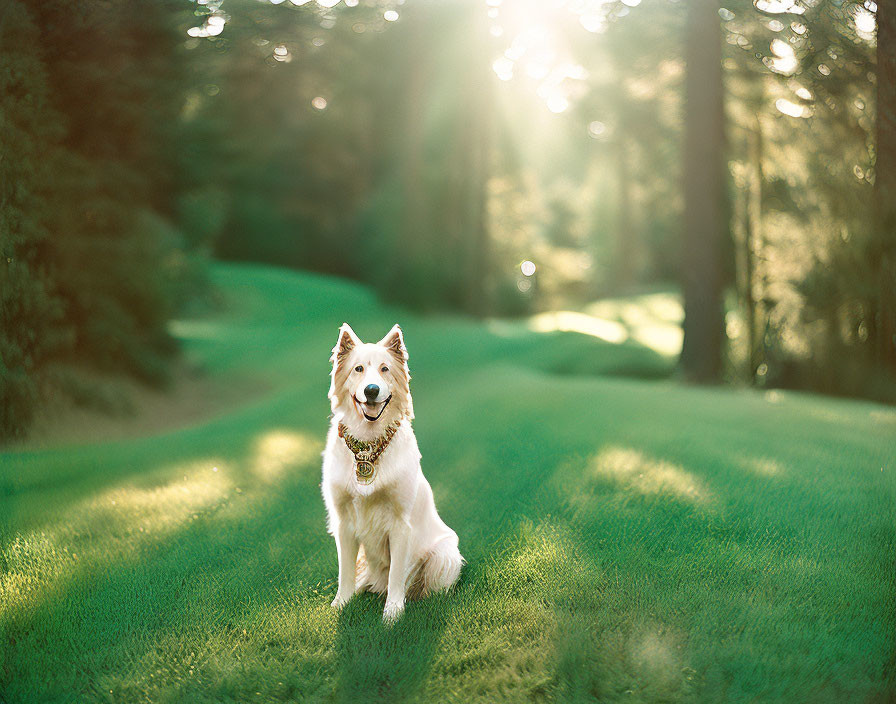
(627, 540)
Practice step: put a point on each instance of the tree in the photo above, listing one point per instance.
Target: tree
(31, 325)
(884, 328)
(800, 101)
(90, 95)
(705, 196)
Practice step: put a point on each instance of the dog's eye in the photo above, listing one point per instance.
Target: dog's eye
(359, 368)
(384, 369)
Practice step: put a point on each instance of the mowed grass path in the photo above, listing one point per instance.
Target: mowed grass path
(627, 540)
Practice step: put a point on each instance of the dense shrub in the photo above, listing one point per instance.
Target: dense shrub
(31, 311)
(91, 269)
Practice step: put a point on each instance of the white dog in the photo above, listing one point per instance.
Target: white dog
(389, 537)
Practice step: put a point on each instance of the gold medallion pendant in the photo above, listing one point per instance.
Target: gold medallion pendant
(364, 467)
(366, 453)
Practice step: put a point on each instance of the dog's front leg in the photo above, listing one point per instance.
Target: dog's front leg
(347, 551)
(399, 555)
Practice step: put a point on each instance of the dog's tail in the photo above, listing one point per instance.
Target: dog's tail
(441, 566)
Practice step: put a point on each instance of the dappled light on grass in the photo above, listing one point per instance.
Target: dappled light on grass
(554, 622)
(513, 624)
(204, 484)
(541, 552)
(571, 321)
(112, 526)
(883, 417)
(646, 475)
(619, 547)
(278, 450)
(656, 656)
(652, 320)
(664, 339)
(116, 525)
(763, 466)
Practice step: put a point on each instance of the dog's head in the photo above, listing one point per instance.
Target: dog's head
(370, 381)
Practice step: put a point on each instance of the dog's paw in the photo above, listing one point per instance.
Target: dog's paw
(339, 602)
(392, 612)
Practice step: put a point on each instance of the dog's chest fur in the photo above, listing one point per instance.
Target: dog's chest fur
(376, 507)
(373, 511)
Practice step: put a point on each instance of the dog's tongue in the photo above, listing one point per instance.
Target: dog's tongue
(372, 409)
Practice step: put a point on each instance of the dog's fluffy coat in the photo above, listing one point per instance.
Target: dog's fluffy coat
(389, 536)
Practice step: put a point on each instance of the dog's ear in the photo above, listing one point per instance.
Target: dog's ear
(346, 343)
(394, 342)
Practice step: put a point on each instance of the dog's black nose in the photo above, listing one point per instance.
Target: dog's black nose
(371, 391)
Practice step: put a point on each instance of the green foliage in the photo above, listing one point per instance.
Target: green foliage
(805, 180)
(333, 140)
(31, 312)
(429, 179)
(33, 331)
(91, 269)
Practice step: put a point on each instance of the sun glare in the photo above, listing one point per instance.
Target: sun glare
(774, 7)
(534, 51)
(784, 60)
(864, 21)
(791, 109)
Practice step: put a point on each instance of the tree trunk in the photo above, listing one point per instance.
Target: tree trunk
(479, 94)
(627, 249)
(884, 320)
(753, 255)
(412, 164)
(705, 193)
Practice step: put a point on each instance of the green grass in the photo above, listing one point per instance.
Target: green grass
(627, 540)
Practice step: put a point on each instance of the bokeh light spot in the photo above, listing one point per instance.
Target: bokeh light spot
(597, 129)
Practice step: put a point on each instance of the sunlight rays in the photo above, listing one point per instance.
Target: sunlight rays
(535, 53)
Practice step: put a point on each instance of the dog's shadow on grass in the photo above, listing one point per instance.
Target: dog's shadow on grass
(376, 662)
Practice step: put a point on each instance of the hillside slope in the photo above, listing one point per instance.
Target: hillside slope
(627, 540)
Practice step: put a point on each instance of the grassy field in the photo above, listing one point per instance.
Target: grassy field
(628, 539)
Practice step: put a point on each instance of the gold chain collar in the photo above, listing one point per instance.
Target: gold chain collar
(366, 453)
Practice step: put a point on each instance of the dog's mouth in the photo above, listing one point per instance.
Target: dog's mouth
(372, 411)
